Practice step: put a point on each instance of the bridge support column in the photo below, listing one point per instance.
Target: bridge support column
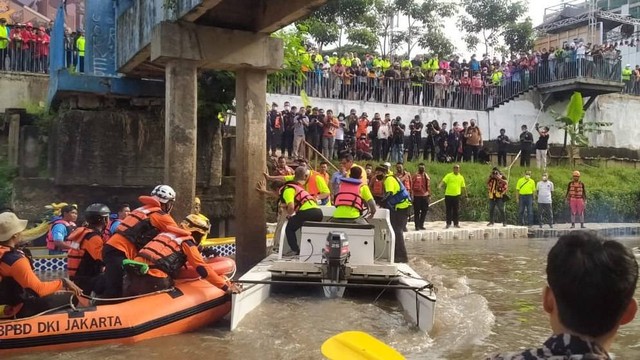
(181, 133)
(251, 153)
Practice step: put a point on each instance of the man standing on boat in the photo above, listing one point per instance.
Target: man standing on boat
(21, 292)
(352, 199)
(454, 186)
(347, 164)
(398, 201)
(577, 199)
(591, 283)
(300, 205)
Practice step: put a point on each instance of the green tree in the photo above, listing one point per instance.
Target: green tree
(425, 24)
(436, 42)
(293, 44)
(577, 130)
(338, 15)
(322, 33)
(519, 37)
(487, 20)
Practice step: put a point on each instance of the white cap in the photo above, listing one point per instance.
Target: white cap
(387, 164)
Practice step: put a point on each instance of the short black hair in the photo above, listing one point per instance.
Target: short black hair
(67, 209)
(348, 158)
(421, 164)
(355, 172)
(593, 280)
(122, 206)
(324, 163)
(400, 163)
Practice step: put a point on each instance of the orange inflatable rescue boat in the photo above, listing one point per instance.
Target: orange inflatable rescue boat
(191, 304)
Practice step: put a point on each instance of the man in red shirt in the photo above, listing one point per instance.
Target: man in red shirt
(421, 190)
(363, 148)
(28, 42)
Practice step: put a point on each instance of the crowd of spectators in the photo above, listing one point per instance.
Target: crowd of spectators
(476, 84)
(26, 47)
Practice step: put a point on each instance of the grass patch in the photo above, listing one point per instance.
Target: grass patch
(613, 194)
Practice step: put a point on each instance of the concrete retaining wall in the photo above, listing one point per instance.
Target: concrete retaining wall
(17, 90)
(621, 110)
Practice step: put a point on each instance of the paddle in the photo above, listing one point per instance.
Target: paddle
(357, 345)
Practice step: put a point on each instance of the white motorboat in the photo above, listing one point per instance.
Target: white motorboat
(335, 257)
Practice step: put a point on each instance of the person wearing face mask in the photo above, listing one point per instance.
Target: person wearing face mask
(577, 198)
(526, 140)
(525, 188)
(544, 189)
(497, 187)
(421, 190)
(454, 187)
(398, 201)
(473, 135)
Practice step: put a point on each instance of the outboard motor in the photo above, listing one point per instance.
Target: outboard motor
(336, 254)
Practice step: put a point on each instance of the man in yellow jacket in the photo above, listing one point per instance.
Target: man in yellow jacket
(80, 41)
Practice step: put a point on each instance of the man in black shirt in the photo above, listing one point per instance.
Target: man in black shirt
(503, 141)
(415, 139)
(373, 134)
(542, 145)
(526, 140)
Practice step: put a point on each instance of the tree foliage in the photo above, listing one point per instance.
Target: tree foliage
(486, 21)
(323, 33)
(293, 44)
(519, 36)
(371, 24)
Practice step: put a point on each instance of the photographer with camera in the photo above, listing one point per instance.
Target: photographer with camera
(397, 140)
(300, 124)
(415, 137)
(433, 131)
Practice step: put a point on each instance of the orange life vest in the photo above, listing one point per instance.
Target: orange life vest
(312, 184)
(576, 190)
(300, 197)
(420, 183)
(76, 256)
(362, 127)
(70, 227)
(406, 180)
(164, 252)
(137, 228)
(377, 187)
(349, 194)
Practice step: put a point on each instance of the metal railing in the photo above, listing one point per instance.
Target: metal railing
(457, 94)
(32, 57)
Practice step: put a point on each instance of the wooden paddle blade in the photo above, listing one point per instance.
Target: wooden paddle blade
(358, 345)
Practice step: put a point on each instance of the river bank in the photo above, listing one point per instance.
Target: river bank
(613, 194)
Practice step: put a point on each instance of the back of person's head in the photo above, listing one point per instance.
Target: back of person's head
(355, 172)
(300, 173)
(593, 281)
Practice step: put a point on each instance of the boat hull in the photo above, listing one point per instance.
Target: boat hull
(192, 305)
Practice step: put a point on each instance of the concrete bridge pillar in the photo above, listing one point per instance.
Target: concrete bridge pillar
(182, 48)
(251, 153)
(181, 133)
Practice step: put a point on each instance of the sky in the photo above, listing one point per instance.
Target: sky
(536, 13)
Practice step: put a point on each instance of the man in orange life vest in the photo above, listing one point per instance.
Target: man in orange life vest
(133, 233)
(158, 261)
(352, 198)
(60, 229)
(420, 190)
(300, 205)
(21, 292)
(84, 260)
(577, 199)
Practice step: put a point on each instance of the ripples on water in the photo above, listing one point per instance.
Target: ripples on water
(489, 300)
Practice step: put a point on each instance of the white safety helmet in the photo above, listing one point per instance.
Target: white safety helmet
(164, 193)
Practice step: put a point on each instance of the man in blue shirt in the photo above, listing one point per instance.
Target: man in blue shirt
(60, 229)
(123, 211)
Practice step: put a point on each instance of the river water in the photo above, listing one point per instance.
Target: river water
(488, 301)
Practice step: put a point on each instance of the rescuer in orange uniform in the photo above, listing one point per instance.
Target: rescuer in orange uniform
(84, 259)
(21, 292)
(133, 233)
(160, 260)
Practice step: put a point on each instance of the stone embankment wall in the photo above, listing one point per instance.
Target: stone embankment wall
(17, 90)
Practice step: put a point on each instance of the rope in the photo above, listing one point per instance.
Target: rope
(48, 311)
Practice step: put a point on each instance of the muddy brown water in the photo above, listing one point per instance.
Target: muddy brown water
(488, 301)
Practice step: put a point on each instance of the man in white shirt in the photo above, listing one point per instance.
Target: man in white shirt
(544, 189)
(384, 133)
